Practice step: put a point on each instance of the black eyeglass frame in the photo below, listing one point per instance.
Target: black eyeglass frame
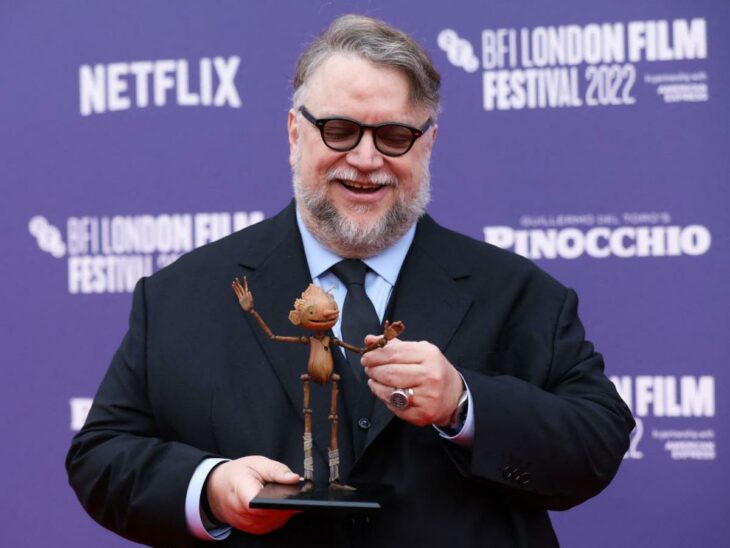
(321, 122)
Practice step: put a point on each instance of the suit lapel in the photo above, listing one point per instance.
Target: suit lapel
(427, 298)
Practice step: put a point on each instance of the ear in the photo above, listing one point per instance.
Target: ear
(434, 133)
(294, 317)
(293, 129)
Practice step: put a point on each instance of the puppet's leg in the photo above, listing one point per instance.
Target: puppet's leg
(334, 452)
(308, 459)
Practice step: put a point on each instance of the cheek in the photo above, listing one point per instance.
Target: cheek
(308, 174)
(407, 176)
(313, 167)
(412, 174)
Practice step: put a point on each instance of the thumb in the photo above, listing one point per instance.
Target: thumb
(371, 339)
(277, 472)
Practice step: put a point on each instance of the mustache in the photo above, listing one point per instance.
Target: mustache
(352, 174)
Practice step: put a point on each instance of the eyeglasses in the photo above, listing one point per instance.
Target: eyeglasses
(343, 134)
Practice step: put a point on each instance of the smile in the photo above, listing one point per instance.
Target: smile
(367, 188)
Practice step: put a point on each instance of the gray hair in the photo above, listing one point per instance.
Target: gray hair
(379, 43)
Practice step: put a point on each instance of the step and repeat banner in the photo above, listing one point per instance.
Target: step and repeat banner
(590, 137)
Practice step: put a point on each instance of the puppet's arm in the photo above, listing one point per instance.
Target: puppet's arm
(390, 331)
(245, 299)
(337, 342)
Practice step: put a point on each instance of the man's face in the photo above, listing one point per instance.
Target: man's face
(358, 202)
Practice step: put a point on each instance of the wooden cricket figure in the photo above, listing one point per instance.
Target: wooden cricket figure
(316, 310)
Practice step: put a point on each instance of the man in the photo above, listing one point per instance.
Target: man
(490, 410)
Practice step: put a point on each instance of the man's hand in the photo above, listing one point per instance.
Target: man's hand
(420, 366)
(245, 297)
(233, 484)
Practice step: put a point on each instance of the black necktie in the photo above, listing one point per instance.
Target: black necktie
(358, 313)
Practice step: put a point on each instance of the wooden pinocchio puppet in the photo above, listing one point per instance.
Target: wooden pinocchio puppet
(316, 310)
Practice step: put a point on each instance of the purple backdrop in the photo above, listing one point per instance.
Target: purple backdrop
(592, 138)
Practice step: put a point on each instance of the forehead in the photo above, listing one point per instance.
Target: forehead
(348, 85)
(313, 293)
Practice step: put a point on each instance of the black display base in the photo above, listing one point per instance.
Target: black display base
(320, 496)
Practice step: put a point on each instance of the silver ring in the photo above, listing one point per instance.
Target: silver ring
(400, 399)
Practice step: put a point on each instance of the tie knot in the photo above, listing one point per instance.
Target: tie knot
(350, 271)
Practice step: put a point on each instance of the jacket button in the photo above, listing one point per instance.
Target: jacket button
(363, 423)
(525, 478)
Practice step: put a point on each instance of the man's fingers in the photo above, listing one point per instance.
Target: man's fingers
(286, 476)
(380, 390)
(381, 355)
(383, 392)
(421, 413)
(396, 351)
(273, 471)
(262, 471)
(372, 339)
(248, 488)
(233, 485)
(399, 375)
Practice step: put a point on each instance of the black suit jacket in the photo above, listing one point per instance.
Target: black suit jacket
(195, 377)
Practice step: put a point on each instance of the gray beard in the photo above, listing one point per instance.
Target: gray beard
(344, 236)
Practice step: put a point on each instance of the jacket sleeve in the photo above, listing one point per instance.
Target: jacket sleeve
(127, 476)
(553, 440)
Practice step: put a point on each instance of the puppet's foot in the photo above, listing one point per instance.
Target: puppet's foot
(335, 484)
(334, 456)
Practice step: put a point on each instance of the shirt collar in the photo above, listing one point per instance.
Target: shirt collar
(386, 264)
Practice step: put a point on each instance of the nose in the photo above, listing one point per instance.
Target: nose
(331, 314)
(365, 156)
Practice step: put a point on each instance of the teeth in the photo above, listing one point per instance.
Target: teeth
(352, 184)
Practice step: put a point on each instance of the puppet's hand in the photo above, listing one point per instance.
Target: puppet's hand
(245, 297)
(392, 330)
